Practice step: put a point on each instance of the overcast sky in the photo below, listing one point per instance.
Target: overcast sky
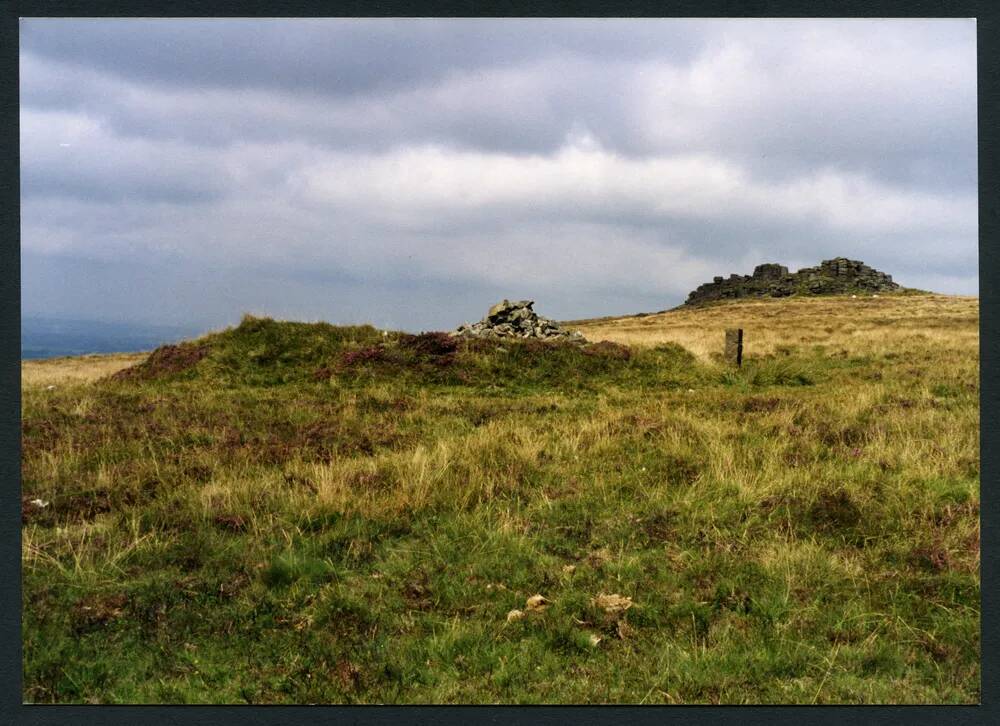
(410, 173)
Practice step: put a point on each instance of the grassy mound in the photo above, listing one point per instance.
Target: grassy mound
(165, 361)
(266, 352)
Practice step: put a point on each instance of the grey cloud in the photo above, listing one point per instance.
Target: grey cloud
(341, 56)
(779, 96)
(69, 156)
(39, 181)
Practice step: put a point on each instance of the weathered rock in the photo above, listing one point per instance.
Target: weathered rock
(499, 309)
(509, 319)
(770, 271)
(837, 276)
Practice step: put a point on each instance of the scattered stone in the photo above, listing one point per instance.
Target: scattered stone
(514, 615)
(837, 276)
(536, 603)
(624, 630)
(31, 508)
(613, 603)
(509, 319)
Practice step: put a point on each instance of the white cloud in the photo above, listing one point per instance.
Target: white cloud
(433, 186)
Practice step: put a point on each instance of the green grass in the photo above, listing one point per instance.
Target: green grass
(295, 513)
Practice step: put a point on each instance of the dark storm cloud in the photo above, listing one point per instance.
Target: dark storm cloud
(344, 57)
(607, 162)
(774, 95)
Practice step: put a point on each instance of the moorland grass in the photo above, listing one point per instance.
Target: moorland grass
(316, 514)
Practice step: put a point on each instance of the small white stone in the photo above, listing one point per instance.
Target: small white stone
(514, 615)
(536, 602)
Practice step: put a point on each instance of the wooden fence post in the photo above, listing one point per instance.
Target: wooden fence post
(734, 346)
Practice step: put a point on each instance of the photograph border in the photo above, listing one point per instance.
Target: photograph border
(12, 710)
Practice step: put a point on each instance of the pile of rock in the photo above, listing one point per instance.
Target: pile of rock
(831, 277)
(841, 275)
(516, 320)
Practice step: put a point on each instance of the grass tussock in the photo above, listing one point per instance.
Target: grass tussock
(303, 513)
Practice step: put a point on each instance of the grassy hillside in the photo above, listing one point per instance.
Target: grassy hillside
(285, 512)
(841, 324)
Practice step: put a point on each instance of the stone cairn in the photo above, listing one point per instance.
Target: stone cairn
(831, 277)
(516, 320)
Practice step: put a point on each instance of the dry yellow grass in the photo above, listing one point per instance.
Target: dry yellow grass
(862, 325)
(78, 369)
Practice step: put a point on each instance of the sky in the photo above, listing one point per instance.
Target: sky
(411, 172)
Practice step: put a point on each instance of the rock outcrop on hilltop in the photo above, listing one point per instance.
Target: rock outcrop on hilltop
(831, 277)
(515, 320)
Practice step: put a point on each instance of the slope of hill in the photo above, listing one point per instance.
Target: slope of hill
(856, 325)
(298, 513)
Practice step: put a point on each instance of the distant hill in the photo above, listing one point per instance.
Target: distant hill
(50, 337)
